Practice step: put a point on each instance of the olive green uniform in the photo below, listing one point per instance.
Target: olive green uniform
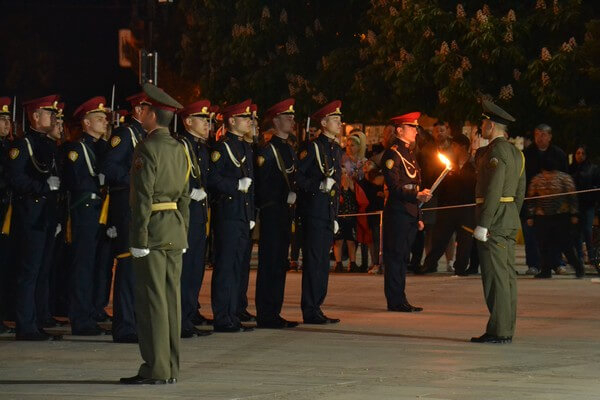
(500, 191)
(160, 212)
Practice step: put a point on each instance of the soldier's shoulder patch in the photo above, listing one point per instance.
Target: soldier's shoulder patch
(138, 163)
(13, 153)
(389, 164)
(114, 142)
(493, 162)
(303, 154)
(214, 156)
(73, 155)
(260, 160)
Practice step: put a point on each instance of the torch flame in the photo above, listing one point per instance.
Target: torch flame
(445, 160)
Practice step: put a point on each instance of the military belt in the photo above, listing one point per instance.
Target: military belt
(164, 206)
(508, 199)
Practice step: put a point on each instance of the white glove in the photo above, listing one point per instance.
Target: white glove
(252, 224)
(244, 184)
(183, 251)
(291, 199)
(480, 233)
(326, 184)
(138, 253)
(111, 232)
(58, 230)
(53, 182)
(101, 179)
(198, 194)
(336, 227)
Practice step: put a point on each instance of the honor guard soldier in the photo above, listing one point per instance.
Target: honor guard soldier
(195, 119)
(401, 213)
(230, 180)
(243, 314)
(32, 177)
(116, 167)
(318, 178)
(5, 214)
(276, 199)
(158, 236)
(83, 181)
(499, 192)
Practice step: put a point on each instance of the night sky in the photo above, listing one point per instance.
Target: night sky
(68, 47)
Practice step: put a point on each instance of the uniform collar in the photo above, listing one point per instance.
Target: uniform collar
(233, 136)
(277, 139)
(159, 131)
(88, 139)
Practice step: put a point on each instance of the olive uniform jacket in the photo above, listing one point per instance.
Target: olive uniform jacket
(159, 182)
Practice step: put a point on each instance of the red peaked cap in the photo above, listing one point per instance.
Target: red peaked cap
(47, 102)
(4, 105)
(238, 110)
(283, 107)
(137, 99)
(407, 119)
(198, 109)
(95, 104)
(333, 108)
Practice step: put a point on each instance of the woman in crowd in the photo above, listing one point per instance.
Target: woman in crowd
(554, 218)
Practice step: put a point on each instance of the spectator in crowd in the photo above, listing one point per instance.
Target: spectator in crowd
(372, 184)
(554, 218)
(586, 176)
(457, 188)
(541, 147)
(389, 133)
(347, 230)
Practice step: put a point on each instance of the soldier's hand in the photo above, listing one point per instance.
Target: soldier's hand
(198, 194)
(252, 225)
(244, 184)
(58, 230)
(480, 233)
(53, 183)
(424, 195)
(111, 232)
(336, 227)
(138, 253)
(291, 199)
(530, 222)
(420, 225)
(101, 179)
(326, 184)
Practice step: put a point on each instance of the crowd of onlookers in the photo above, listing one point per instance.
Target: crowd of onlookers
(552, 226)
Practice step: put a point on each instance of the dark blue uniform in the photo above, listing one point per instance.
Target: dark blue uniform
(233, 210)
(31, 163)
(401, 215)
(116, 165)
(318, 211)
(6, 267)
(275, 179)
(81, 180)
(192, 273)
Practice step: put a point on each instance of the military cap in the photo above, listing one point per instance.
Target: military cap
(121, 115)
(158, 98)
(214, 110)
(95, 104)
(496, 114)
(461, 140)
(254, 110)
(407, 119)
(137, 99)
(47, 103)
(333, 108)
(198, 109)
(283, 107)
(4, 105)
(238, 110)
(60, 108)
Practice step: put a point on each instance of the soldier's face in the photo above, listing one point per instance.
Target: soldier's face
(198, 126)
(487, 127)
(409, 133)
(242, 125)
(284, 123)
(96, 123)
(332, 124)
(4, 126)
(44, 120)
(148, 118)
(56, 132)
